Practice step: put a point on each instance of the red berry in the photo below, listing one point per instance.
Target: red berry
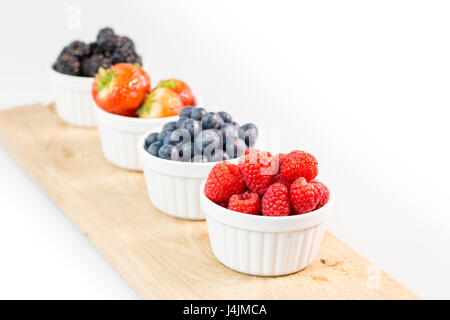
(257, 168)
(223, 204)
(304, 196)
(280, 157)
(324, 193)
(275, 201)
(224, 180)
(299, 164)
(247, 202)
(279, 178)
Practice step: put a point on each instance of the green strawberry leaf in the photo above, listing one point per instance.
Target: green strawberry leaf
(104, 78)
(167, 84)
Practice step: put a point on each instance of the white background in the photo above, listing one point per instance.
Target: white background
(363, 85)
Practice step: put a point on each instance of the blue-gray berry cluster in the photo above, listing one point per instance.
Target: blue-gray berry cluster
(201, 136)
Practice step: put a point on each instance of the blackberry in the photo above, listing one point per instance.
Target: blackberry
(106, 39)
(94, 48)
(90, 65)
(125, 43)
(138, 59)
(67, 64)
(78, 49)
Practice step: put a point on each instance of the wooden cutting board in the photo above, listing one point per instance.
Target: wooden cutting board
(163, 257)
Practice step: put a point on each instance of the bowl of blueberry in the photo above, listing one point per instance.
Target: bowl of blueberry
(177, 157)
(73, 73)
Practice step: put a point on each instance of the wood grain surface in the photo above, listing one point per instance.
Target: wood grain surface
(163, 257)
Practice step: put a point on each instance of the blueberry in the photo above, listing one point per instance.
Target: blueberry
(181, 121)
(152, 137)
(225, 116)
(185, 151)
(207, 141)
(236, 125)
(199, 158)
(218, 155)
(170, 126)
(153, 149)
(235, 147)
(229, 131)
(186, 112)
(178, 136)
(198, 113)
(249, 133)
(193, 126)
(163, 134)
(212, 120)
(168, 152)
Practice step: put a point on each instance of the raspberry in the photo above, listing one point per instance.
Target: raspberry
(279, 159)
(223, 204)
(304, 196)
(224, 180)
(324, 193)
(275, 201)
(299, 164)
(257, 168)
(282, 157)
(279, 178)
(247, 202)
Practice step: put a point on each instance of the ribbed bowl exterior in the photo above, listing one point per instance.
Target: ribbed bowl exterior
(260, 245)
(119, 136)
(173, 195)
(264, 253)
(73, 98)
(119, 147)
(173, 186)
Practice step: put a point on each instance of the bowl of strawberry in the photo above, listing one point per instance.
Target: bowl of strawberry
(178, 156)
(73, 73)
(266, 213)
(126, 107)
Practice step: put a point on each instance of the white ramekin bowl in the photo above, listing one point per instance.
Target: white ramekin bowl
(263, 246)
(119, 136)
(173, 185)
(73, 98)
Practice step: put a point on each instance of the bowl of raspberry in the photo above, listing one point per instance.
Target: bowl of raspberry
(266, 214)
(177, 157)
(73, 73)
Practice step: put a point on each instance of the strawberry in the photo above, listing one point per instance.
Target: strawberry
(181, 88)
(257, 167)
(160, 103)
(121, 89)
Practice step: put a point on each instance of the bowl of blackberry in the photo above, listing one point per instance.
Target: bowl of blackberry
(76, 65)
